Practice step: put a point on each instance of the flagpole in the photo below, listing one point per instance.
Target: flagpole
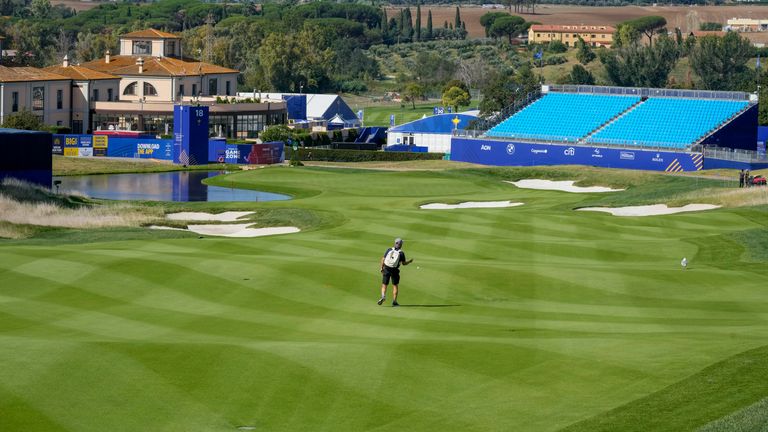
(757, 69)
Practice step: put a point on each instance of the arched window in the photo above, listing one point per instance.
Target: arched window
(149, 89)
(130, 89)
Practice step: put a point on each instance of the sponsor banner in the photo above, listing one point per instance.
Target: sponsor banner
(255, 154)
(99, 152)
(85, 151)
(100, 141)
(140, 148)
(505, 153)
(86, 141)
(69, 151)
(57, 146)
(71, 141)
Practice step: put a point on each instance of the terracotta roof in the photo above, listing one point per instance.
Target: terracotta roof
(22, 74)
(573, 28)
(80, 73)
(155, 66)
(150, 34)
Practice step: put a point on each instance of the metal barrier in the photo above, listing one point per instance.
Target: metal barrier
(737, 155)
(649, 92)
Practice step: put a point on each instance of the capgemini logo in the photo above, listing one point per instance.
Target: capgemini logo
(570, 151)
(510, 149)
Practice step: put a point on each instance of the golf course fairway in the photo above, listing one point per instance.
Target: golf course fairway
(528, 318)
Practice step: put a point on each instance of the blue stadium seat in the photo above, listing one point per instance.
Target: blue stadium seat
(562, 116)
(668, 123)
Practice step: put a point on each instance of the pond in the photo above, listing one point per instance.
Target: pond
(167, 186)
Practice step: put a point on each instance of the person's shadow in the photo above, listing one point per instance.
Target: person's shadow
(429, 305)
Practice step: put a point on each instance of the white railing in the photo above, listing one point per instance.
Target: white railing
(650, 92)
(738, 155)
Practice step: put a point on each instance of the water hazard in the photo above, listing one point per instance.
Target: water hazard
(168, 186)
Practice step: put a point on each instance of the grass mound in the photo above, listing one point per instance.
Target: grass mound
(24, 206)
(715, 392)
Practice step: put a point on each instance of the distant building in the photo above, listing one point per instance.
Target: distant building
(44, 93)
(595, 35)
(747, 24)
(137, 89)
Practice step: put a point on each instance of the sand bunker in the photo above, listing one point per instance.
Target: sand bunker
(475, 204)
(160, 227)
(239, 230)
(564, 186)
(650, 210)
(223, 230)
(230, 216)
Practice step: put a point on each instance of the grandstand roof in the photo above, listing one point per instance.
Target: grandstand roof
(436, 124)
(572, 28)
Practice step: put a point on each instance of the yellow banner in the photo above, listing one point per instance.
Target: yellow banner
(71, 151)
(100, 141)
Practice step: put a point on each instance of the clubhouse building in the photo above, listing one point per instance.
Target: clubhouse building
(136, 91)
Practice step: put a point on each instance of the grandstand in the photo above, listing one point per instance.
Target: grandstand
(609, 116)
(562, 116)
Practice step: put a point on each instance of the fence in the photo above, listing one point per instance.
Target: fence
(736, 155)
(649, 92)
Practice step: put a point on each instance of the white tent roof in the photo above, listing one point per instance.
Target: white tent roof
(317, 104)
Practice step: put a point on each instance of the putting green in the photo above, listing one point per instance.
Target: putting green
(534, 318)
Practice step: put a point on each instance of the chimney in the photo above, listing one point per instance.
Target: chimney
(106, 57)
(65, 63)
(140, 62)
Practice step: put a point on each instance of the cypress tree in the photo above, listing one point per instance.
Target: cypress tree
(418, 23)
(429, 25)
(384, 25)
(407, 29)
(457, 22)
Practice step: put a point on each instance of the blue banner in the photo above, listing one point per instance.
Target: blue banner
(507, 153)
(141, 148)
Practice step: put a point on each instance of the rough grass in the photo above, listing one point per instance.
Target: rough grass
(726, 197)
(66, 166)
(753, 418)
(24, 206)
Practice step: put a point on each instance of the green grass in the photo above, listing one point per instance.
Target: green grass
(533, 318)
(378, 115)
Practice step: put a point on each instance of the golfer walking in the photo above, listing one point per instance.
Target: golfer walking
(390, 269)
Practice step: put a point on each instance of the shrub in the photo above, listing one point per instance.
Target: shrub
(556, 46)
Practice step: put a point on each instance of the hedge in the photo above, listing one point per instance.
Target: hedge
(358, 155)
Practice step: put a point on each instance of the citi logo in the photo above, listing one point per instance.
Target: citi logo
(570, 151)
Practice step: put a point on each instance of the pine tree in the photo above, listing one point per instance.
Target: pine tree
(417, 37)
(429, 25)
